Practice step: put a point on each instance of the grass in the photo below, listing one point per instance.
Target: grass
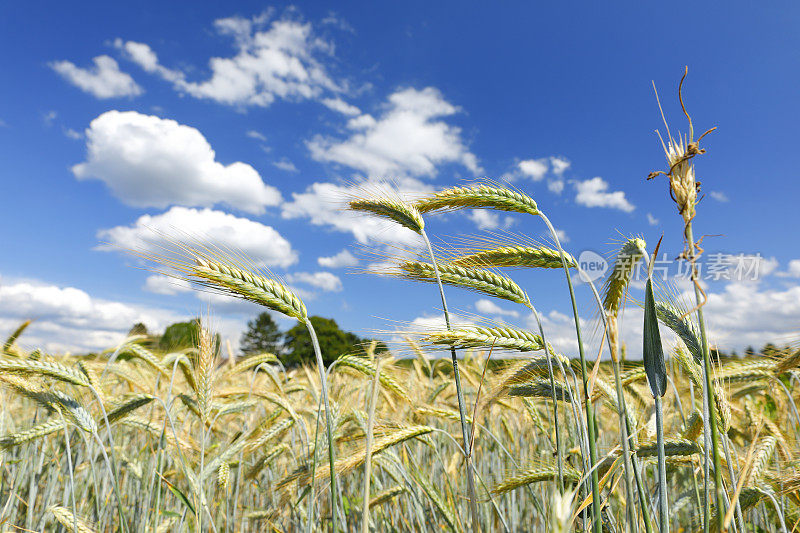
(139, 440)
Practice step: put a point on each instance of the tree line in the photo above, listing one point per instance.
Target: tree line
(292, 346)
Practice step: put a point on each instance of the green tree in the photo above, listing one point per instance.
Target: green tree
(333, 342)
(262, 335)
(138, 329)
(179, 336)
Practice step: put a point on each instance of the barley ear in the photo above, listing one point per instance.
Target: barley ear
(405, 214)
(69, 521)
(479, 196)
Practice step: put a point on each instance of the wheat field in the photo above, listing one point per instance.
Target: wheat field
(437, 434)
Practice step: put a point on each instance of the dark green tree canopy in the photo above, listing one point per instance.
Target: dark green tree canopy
(262, 335)
(179, 336)
(138, 329)
(333, 342)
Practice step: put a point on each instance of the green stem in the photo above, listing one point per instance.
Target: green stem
(712, 418)
(373, 399)
(663, 517)
(559, 446)
(590, 418)
(328, 421)
(466, 431)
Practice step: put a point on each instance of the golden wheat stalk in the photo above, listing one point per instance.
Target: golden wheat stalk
(474, 279)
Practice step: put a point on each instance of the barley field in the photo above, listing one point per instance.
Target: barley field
(443, 432)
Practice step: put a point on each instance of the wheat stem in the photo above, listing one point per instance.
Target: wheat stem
(328, 418)
(373, 400)
(662, 469)
(708, 389)
(466, 431)
(590, 417)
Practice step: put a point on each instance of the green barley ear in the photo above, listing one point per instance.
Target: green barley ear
(652, 349)
(53, 370)
(247, 285)
(515, 256)
(479, 196)
(9, 347)
(629, 254)
(503, 337)
(405, 214)
(537, 473)
(475, 279)
(31, 434)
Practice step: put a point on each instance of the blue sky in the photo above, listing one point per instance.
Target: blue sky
(248, 124)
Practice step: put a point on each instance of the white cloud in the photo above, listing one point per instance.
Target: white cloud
(744, 315)
(594, 193)
(534, 168)
(161, 284)
(49, 118)
(104, 80)
(559, 165)
(719, 196)
(145, 57)
(740, 267)
(72, 134)
(653, 221)
(562, 235)
(253, 134)
(792, 270)
(285, 164)
(340, 260)
(324, 205)
(340, 106)
(261, 244)
(326, 281)
(147, 161)
(281, 61)
(409, 139)
(67, 318)
(488, 307)
(556, 186)
(489, 220)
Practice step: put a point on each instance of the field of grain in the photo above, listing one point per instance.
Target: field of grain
(452, 438)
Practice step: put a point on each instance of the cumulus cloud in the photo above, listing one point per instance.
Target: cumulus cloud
(594, 193)
(340, 260)
(555, 186)
(148, 161)
(323, 204)
(282, 61)
(739, 267)
(340, 106)
(326, 281)
(744, 314)
(161, 284)
(488, 307)
(103, 80)
(261, 244)
(489, 220)
(559, 165)
(68, 318)
(286, 165)
(653, 221)
(534, 169)
(253, 134)
(792, 270)
(552, 167)
(408, 139)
